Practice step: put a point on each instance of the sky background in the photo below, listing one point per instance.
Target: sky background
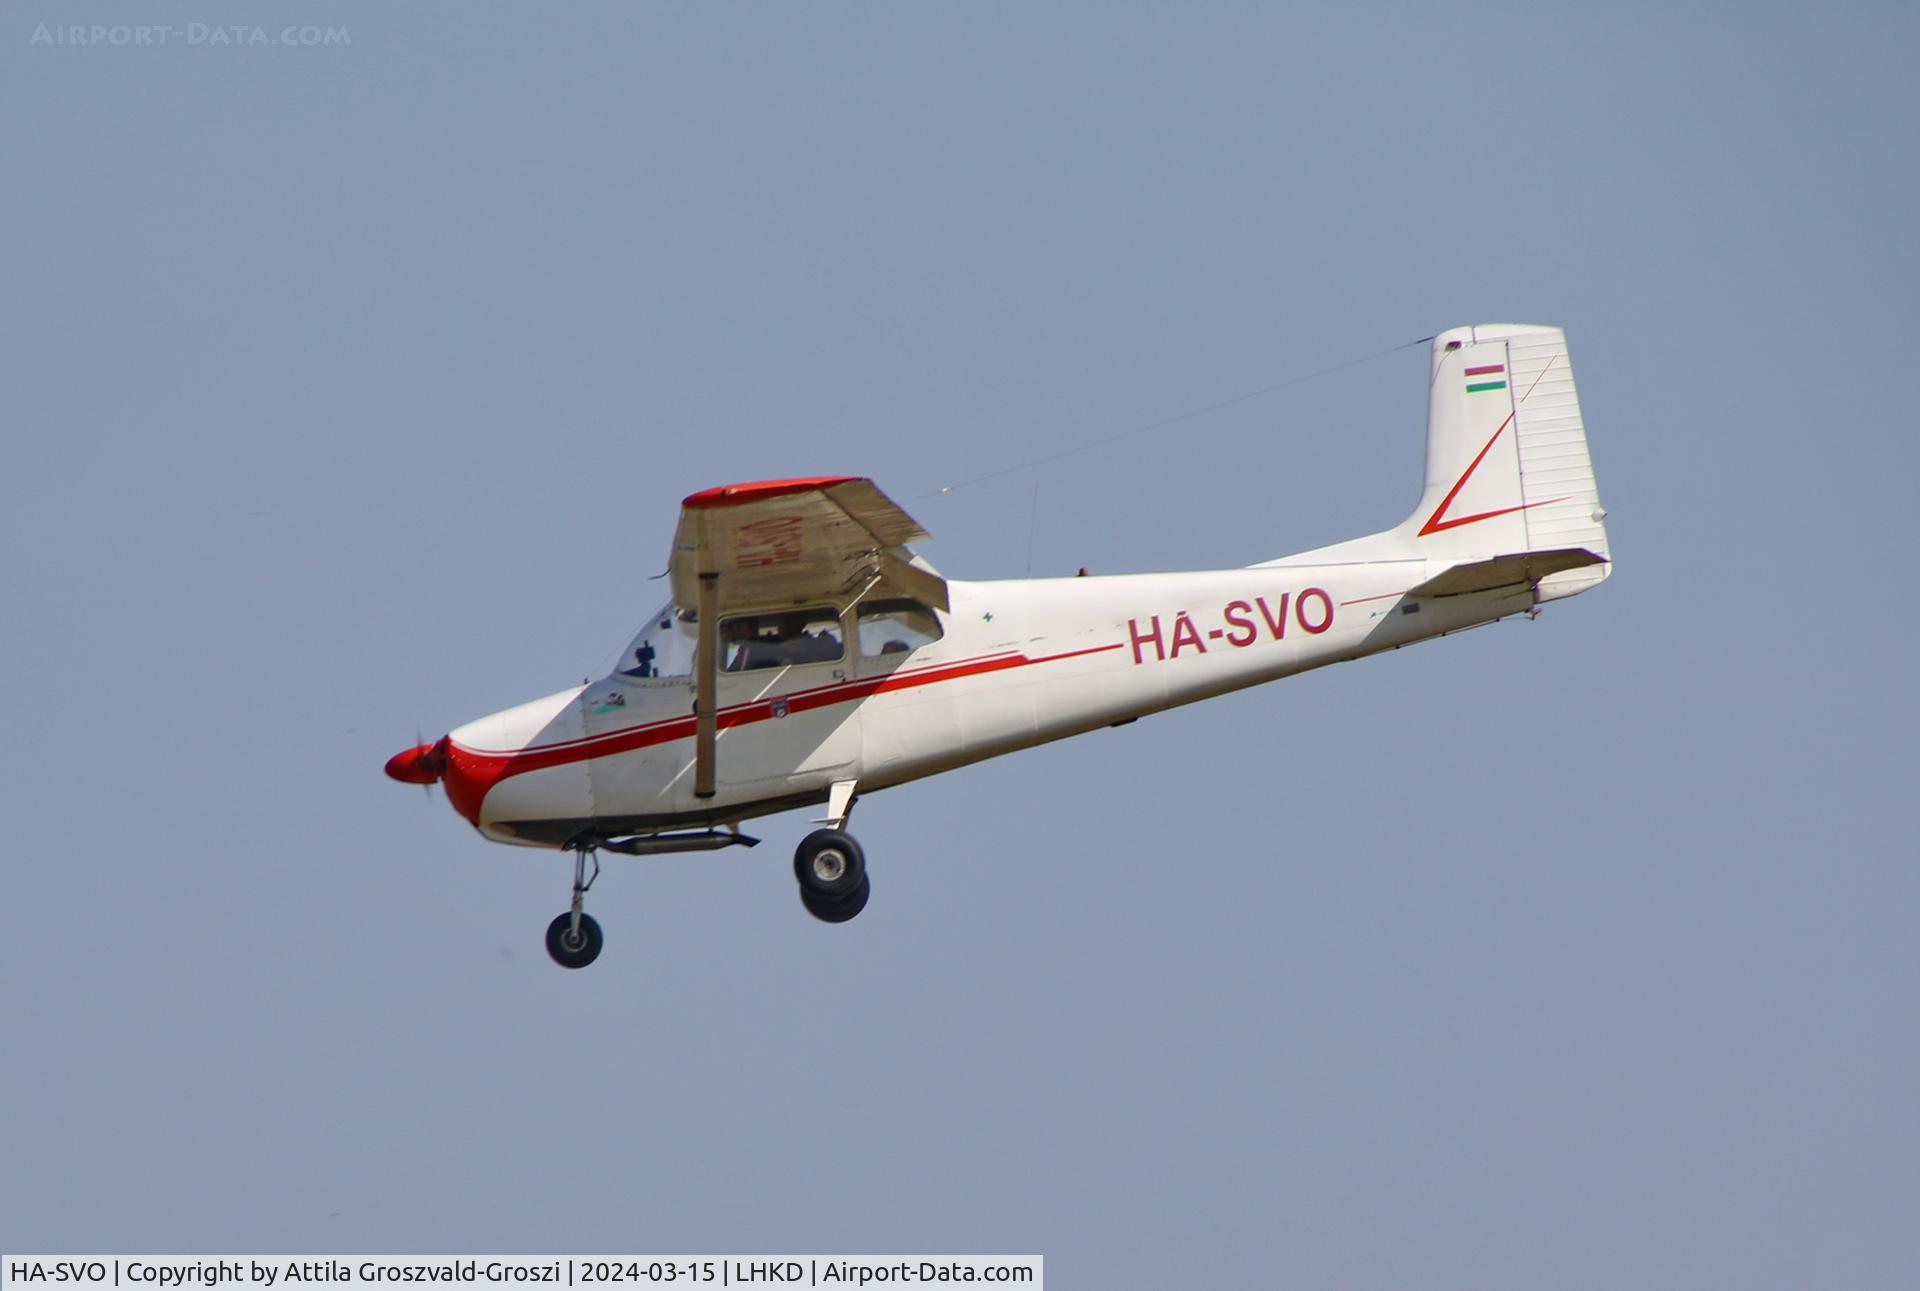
(351, 391)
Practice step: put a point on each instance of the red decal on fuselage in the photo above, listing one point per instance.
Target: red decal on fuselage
(1240, 623)
(1241, 628)
(1141, 638)
(1185, 634)
(1326, 606)
(1276, 623)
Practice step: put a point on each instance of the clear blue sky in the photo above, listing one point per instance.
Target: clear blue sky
(352, 389)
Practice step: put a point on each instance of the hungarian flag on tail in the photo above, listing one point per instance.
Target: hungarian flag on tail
(1491, 376)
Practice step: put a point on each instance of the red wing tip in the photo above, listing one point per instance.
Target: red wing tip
(734, 494)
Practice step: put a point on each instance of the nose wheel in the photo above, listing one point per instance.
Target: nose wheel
(571, 946)
(573, 938)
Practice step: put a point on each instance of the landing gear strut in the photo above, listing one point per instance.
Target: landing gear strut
(573, 939)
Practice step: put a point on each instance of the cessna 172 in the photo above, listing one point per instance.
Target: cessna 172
(808, 656)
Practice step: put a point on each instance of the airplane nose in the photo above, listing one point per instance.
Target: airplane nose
(423, 764)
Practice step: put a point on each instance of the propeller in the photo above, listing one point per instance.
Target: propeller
(423, 764)
(419, 738)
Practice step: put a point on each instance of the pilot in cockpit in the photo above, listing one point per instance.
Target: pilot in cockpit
(643, 661)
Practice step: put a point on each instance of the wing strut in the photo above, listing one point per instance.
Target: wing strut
(706, 685)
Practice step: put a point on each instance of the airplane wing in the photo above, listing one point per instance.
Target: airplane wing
(828, 540)
(798, 542)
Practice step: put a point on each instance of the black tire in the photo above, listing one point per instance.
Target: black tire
(829, 864)
(837, 909)
(560, 942)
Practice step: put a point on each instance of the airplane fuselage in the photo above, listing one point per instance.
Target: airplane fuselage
(1021, 662)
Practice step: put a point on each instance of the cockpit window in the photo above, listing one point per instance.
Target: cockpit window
(776, 640)
(896, 627)
(664, 647)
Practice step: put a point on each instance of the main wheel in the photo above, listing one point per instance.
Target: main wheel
(837, 909)
(829, 865)
(570, 951)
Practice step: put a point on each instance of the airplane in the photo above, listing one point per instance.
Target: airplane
(807, 656)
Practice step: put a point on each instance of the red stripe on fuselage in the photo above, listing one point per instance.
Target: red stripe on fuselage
(727, 714)
(471, 773)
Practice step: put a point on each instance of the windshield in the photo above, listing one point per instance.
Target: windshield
(664, 646)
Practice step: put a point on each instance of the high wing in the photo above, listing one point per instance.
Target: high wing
(829, 540)
(817, 541)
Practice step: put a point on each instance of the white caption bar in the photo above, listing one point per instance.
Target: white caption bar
(600, 1272)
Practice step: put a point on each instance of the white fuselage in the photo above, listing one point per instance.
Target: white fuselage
(1021, 662)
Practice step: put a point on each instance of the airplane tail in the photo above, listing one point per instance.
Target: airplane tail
(1508, 473)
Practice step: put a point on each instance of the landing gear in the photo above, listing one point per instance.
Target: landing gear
(832, 872)
(571, 948)
(829, 863)
(829, 866)
(828, 910)
(573, 939)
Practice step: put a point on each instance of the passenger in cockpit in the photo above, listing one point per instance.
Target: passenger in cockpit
(813, 647)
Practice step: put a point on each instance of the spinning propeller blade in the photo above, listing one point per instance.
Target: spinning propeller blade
(423, 764)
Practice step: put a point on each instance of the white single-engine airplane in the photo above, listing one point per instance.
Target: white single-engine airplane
(807, 656)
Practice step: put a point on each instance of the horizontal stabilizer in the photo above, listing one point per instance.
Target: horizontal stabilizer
(1506, 571)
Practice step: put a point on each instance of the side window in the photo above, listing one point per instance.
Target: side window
(777, 640)
(896, 627)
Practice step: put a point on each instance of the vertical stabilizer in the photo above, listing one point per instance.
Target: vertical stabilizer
(1473, 505)
(1507, 472)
